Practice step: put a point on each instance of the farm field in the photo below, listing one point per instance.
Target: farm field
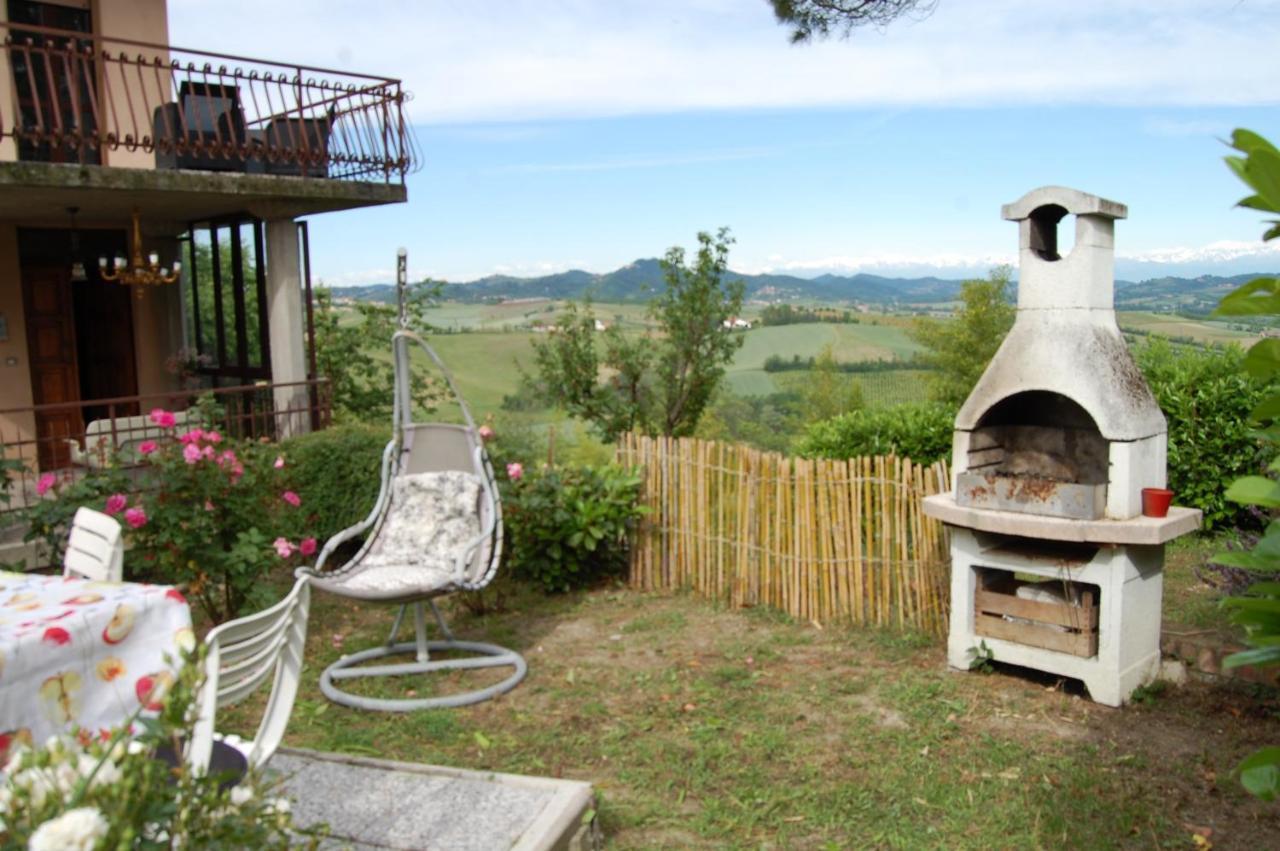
(484, 358)
(1202, 331)
(507, 316)
(863, 341)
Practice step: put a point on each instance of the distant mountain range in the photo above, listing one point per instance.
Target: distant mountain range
(641, 280)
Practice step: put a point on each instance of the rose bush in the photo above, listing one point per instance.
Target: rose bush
(207, 516)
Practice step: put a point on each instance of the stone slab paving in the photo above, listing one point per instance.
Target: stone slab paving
(374, 803)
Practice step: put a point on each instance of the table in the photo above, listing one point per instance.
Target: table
(75, 652)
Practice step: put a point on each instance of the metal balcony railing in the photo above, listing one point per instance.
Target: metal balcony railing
(75, 95)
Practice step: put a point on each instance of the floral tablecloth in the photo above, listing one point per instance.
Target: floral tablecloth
(78, 652)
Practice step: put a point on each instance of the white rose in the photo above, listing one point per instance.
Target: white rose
(17, 753)
(241, 795)
(67, 778)
(279, 805)
(75, 830)
(38, 782)
(106, 775)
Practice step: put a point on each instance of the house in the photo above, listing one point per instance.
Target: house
(123, 158)
(737, 323)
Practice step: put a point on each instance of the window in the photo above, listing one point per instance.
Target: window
(226, 305)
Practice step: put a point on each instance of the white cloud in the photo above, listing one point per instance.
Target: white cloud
(1204, 259)
(628, 164)
(528, 59)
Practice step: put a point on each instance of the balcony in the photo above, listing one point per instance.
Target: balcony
(83, 99)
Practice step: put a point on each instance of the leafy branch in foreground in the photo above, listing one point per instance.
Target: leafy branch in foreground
(1258, 610)
(809, 19)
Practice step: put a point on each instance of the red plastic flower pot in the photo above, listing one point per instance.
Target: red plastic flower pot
(1155, 501)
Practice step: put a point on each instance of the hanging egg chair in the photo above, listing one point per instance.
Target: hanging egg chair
(435, 529)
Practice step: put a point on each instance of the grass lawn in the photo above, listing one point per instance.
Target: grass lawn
(703, 727)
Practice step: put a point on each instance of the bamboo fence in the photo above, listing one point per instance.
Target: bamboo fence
(823, 540)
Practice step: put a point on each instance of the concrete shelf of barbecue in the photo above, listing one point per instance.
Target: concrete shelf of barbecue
(1137, 530)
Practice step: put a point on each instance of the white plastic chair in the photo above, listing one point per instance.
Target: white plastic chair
(242, 654)
(95, 548)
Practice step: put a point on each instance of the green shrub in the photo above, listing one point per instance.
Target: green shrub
(336, 472)
(567, 527)
(1206, 397)
(920, 431)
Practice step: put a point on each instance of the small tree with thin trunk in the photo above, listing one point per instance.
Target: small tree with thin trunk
(657, 383)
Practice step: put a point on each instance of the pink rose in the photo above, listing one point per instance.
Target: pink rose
(237, 470)
(208, 505)
(308, 546)
(515, 470)
(291, 498)
(192, 436)
(162, 418)
(191, 453)
(116, 503)
(146, 447)
(47, 481)
(486, 433)
(213, 437)
(279, 465)
(208, 452)
(136, 518)
(227, 457)
(283, 548)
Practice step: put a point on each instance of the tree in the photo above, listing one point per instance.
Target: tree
(959, 349)
(827, 391)
(355, 356)
(809, 19)
(656, 383)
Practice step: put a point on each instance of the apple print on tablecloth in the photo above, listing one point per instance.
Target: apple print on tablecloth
(110, 668)
(152, 688)
(121, 624)
(9, 738)
(59, 697)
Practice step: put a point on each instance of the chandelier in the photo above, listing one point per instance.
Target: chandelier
(136, 272)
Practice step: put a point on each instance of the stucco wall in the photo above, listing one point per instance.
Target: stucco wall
(15, 379)
(157, 334)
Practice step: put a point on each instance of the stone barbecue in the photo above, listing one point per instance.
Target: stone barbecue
(1053, 565)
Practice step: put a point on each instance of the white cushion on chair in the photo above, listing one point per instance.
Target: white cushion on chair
(432, 516)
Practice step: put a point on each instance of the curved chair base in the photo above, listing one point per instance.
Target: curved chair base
(489, 656)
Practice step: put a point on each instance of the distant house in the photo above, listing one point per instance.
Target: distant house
(601, 325)
(737, 323)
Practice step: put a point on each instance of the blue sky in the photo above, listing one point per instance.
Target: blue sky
(586, 134)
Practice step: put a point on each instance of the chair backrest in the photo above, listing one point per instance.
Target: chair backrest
(242, 654)
(442, 447)
(95, 549)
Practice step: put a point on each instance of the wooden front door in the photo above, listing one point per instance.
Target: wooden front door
(51, 349)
